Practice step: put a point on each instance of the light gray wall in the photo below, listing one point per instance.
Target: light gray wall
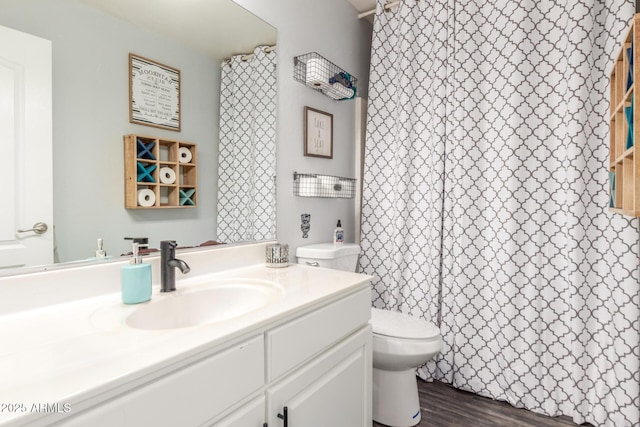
(331, 28)
(91, 115)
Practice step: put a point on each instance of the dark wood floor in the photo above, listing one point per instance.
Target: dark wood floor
(445, 406)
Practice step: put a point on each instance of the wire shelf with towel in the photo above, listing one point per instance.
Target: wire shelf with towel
(318, 73)
(327, 186)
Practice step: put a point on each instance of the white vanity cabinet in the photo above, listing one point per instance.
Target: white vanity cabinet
(333, 390)
(248, 415)
(316, 362)
(189, 396)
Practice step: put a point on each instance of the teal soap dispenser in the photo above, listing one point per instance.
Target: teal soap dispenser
(136, 279)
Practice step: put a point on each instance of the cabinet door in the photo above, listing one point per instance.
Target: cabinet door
(333, 390)
(250, 415)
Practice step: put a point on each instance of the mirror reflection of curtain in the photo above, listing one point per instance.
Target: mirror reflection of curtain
(247, 158)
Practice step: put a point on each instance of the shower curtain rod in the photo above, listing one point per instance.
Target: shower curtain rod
(372, 11)
(248, 56)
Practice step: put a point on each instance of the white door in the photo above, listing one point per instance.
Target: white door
(25, 144)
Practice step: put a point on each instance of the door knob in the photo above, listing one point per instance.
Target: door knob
(38, 228)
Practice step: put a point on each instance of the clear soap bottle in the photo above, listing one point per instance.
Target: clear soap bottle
(136, 279)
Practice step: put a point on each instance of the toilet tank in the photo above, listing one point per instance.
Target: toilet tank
(339, 257)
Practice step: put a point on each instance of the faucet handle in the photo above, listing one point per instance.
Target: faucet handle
(168, 244)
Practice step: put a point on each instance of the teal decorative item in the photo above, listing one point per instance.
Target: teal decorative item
(145, 171)
(628, 112)
(144, 149)
(185, 197)
(630, 71)
(612, 189)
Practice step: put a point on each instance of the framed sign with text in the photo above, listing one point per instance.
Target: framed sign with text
(154, 93)
(318, 133)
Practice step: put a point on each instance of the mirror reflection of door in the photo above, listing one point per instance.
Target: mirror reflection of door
(25, 144)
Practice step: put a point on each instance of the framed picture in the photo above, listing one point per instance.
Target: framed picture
(154, 94)
(318, 133)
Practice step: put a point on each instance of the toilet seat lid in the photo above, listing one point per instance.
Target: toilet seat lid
(396, 324)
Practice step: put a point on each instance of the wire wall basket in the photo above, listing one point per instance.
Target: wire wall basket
(328, 186)
(322, 75)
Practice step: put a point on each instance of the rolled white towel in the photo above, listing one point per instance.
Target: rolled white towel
(337, 91)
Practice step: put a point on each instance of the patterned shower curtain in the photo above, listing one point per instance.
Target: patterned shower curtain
(485, 200)
(247, 157)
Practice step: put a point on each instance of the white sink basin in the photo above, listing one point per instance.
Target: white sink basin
(206, 304)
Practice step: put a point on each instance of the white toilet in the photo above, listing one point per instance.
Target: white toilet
(401, 343)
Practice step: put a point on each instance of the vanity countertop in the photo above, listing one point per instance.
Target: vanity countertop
(70, 353)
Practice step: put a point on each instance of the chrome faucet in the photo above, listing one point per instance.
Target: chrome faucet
(168, 262)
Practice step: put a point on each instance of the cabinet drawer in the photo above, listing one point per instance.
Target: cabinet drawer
(188, 397)
(291, 344)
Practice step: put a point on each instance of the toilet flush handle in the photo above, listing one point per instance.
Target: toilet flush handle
(313, 264)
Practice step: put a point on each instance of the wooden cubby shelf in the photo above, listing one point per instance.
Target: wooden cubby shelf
(159, 173)
(624, 163)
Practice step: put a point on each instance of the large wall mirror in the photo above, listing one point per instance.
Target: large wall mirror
(91, 41)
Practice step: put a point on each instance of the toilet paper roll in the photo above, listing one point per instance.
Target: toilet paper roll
(184, 154)
(337, 91)
(146, 197)
(167, 175)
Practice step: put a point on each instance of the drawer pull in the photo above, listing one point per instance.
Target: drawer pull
(285, 417)
(313, 264)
